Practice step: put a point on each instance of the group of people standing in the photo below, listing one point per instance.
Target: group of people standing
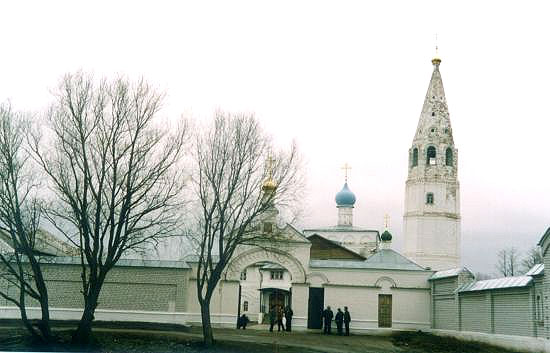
(283, 318)
(342, 318)
(276, 315)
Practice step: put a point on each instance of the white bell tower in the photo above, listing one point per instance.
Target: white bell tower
(432, 194)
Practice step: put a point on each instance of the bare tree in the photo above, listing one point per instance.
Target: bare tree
(20, 212)
(531, 258)
(480, 276)
(116, 174)
(508, 262)
(231, 170)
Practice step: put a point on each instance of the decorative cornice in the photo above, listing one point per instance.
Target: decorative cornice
(433, 214)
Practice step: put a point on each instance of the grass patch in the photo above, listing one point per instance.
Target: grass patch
(426, 342)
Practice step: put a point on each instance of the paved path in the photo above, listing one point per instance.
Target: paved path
(309, 341)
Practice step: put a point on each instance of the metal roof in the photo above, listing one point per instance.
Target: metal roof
(340, 229)
(538, 269)
(73, 260)
(272, 266)
(386, 259)
(338, 245)
(286, 289)
(195, 258)
(498, 283)
(450, 273)
(544, 236)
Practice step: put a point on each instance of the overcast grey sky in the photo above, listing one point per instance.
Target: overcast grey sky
(345, 79)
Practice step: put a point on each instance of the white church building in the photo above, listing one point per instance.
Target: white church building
(346, 265)
(423, 288)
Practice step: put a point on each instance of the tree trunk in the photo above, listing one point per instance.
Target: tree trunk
(45, 327)
(83, 333)
(208, 335)
(23, 309)
(27, 323)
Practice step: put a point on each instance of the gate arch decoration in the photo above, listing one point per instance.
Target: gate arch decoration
(252, 256)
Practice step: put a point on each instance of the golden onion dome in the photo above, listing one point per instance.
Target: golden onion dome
(269, 185)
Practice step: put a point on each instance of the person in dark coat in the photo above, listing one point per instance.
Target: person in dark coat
(280, 315)
(239, 322)
(272, 317)
(288, 317)
(327, 318)
(243, 321)
(339, 319)
(347, 319)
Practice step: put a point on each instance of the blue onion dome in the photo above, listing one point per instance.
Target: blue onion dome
(386, 236)
(345, 197)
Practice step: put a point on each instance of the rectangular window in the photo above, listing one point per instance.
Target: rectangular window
(245, 306)
(430, 198)
(277, 275)
(243, 275)
(268, 227)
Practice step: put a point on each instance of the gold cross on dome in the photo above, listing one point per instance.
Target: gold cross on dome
(346, 167)
(270, 161)
(386, 221)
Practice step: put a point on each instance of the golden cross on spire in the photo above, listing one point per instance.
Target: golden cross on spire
(386, 221)
(436, 60)
(270, 161)
(346, 167)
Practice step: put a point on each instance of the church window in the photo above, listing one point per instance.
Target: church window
(415, 157)
(243, 275)
(433, 113)
(245, 306)
(276, 274)
(430, 155)
(268, 227)
(446, 131)
(430, 198)
(449, 157)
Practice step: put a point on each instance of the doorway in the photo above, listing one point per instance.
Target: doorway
(384, 310)
(277, 299)
(316, 303)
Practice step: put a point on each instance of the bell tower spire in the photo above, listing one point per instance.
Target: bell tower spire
(432, 197)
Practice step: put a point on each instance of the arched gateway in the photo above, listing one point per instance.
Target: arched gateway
(266, 279)
(252, 256)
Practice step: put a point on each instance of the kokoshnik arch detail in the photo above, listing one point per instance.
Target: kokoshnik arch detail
(274, 255)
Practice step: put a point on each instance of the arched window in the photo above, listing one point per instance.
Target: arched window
(449, 157)
(415, 157)
(430, 198)
(430, 155)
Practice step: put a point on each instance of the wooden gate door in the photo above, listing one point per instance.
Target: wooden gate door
(277, 300)
(315, 307)
(384, 310)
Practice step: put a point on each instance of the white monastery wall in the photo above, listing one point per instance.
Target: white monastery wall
(370, 277)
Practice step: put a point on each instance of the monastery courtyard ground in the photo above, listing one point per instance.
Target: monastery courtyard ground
(254, 339)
